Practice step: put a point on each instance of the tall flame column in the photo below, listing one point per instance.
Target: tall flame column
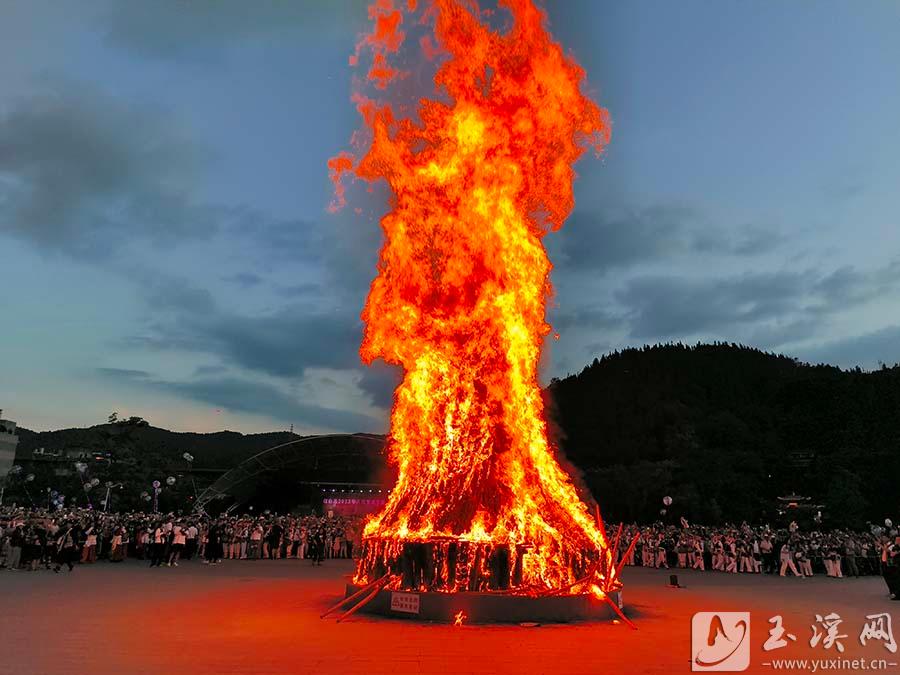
(459, 303)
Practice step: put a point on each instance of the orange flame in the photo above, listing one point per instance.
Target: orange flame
(463, 279)
(459, 618)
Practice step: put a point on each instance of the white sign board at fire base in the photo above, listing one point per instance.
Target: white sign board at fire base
(405, 602)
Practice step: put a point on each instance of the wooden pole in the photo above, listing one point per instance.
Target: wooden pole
(600, 522)
(560, 591)
(584, 579)
(615, 569)
(365, 601)
(618, 611)
(355, 595)
(615, 546)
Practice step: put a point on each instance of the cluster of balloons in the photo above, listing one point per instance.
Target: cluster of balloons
(667, 502)
(56, 499)
(170, 481)
(888, 527)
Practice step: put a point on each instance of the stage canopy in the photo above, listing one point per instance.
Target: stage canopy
(299, 473)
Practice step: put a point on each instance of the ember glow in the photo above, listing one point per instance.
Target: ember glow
(480, 172)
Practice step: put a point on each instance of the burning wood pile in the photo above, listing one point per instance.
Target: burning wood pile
(480, 171)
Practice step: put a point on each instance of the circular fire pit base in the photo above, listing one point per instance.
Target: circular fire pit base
(488, 607)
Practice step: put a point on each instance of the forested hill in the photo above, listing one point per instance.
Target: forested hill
(138, 454)
(151, 446)
(725, 429)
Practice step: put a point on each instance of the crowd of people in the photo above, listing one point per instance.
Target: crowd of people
(744, 549)
(31, 539)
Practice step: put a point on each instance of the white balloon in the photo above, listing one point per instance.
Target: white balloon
(667, 500)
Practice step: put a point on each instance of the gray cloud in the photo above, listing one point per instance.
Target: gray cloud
(264, 399)
(755, 241)
(284, 343)
(299, 290)
(663, 306)
(775, 308)
(124, 373)
(160, 336)
(591, 317)
(176, 295)
(294, 240)
(209, 370)
(247, 396)
(848, 285)
(621, 237)
(784, 330)
(379, 381)
(203, 30)
(81, 172)
(769, 309)
(868, 350)
(244, 279)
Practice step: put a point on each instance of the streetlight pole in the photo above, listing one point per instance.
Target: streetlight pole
(28, 479)
(109, 486)
(189, 458)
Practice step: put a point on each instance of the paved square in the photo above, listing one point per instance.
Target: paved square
(263, 617)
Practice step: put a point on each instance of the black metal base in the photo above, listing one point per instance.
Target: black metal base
(487, 607)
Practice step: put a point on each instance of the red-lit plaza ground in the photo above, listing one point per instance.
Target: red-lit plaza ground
(263, 617)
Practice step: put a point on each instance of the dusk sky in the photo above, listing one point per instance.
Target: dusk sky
(166, 250)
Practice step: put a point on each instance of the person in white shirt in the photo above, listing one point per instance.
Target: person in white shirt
(157, 546)
(256, 535)
(787, 560)
(699, 563)
(178, 539)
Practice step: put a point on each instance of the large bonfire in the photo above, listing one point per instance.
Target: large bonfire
(479, 172)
